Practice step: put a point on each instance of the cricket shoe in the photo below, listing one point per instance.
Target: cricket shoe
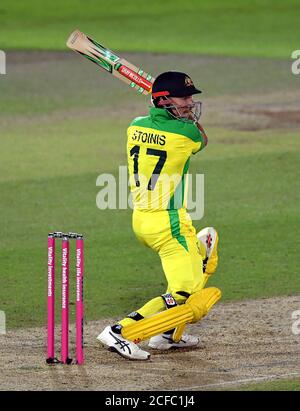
(118, 344)
(209, 238)
(165, 342)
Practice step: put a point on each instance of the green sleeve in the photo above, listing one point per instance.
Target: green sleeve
(195, 134)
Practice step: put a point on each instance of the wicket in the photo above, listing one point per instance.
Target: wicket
(65, 237)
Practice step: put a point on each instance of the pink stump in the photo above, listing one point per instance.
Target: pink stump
(51, 299)
(79, 300)
(65, 301)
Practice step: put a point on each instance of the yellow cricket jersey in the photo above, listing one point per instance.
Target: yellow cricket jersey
(158, 151)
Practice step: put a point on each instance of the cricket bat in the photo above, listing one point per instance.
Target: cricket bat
(134, 76)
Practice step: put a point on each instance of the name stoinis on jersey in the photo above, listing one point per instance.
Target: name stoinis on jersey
(151, 138)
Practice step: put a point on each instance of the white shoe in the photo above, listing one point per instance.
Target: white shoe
(118, 344)
(165, 342)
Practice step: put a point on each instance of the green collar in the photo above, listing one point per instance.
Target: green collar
(160, 113)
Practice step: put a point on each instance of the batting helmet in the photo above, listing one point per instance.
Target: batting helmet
(173, 84)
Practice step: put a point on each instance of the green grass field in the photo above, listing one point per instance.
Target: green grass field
(63, 123)
(54, 146)
(281, 385)
(232, 27)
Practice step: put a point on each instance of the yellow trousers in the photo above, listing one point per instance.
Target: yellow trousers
(172, 235)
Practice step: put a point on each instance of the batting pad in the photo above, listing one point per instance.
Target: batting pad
(205, 299)
(177, 334)
(195, 308)
(201, 297)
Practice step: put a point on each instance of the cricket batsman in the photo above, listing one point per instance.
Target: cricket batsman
(159, 148)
